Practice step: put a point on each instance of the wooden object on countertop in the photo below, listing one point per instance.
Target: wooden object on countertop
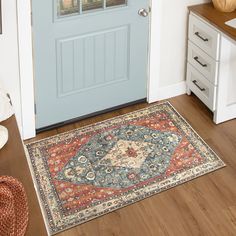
(216, 18)
(13, 163)
(225, 5)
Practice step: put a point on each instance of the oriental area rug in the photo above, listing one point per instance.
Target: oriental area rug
(91, 171)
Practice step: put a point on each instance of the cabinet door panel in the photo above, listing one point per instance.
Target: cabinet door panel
(226, 96)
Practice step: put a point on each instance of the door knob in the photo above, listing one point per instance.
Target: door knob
(143, 12)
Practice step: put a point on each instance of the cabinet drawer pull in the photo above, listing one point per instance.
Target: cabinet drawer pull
(201, 37)
(202, 89)
(197, 60)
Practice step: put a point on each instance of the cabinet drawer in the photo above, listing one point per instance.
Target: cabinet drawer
(201, 87)
(203, 63)
(204, 36)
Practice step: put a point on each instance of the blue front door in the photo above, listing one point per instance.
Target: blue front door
(89, 55)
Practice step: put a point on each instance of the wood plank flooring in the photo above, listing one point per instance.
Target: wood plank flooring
(204, 206)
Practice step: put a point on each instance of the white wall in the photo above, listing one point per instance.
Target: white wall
(9, 63)
(168, 50)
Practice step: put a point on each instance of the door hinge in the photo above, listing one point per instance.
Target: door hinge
(31, 18)
(35, 109)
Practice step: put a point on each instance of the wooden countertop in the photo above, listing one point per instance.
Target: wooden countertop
(216, 18)
(13, 163)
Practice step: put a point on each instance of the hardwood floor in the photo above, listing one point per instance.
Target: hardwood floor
(204, 206)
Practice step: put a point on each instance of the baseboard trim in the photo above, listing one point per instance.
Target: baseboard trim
(168, 92)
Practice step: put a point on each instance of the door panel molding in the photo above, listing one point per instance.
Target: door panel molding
(109, 67)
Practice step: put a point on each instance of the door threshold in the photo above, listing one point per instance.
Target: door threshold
(74, 120)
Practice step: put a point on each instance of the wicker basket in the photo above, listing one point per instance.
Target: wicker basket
(225, 5)
(13, 207)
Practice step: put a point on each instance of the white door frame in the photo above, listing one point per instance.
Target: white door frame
(26, 61)
(26, 68)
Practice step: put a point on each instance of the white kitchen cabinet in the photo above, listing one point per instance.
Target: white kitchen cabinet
(211, 67)
(9, 57)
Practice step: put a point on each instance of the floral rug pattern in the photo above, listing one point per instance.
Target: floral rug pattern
(91, 171)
